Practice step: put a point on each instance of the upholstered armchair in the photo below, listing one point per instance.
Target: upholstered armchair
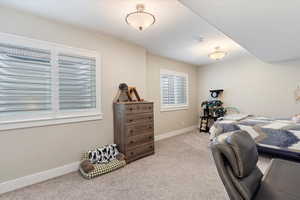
(236, 158)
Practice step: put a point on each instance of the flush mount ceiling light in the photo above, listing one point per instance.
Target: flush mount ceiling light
(217, 54)
(140, 19)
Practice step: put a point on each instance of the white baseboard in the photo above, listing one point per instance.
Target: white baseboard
(59, 171)
(37, 178)
(174, 133)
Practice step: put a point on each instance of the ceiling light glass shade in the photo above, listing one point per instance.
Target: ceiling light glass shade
(217, 54)
(140, 19)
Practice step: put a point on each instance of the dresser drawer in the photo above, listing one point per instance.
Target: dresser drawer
(138, 108)
(142, 118)
(140, 151)
(134, 130)
(139, 139)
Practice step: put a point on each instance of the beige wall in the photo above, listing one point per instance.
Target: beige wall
(27, 151)
(171, 120)
(31, 150)
(253, 86)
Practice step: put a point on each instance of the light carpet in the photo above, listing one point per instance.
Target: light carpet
(181, 169)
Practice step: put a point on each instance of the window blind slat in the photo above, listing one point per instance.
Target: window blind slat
(25, 79)
(17, 110)
(77, 82)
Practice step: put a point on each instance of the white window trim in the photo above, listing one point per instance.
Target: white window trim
(52, 117)
(166, 108)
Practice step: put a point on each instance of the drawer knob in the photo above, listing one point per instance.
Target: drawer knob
(131, 142)
(150, 137)
(151, 147)
(149, 107)
(130, 120)
(130, 109)
(131, 131)
(131, 153)
(150, 117)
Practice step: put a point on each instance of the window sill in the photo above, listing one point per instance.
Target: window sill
(173, 108)
(48, 121)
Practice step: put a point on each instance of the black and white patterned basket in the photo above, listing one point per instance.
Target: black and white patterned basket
(101, 168)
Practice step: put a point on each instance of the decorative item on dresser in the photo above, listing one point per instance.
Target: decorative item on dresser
(134, 128)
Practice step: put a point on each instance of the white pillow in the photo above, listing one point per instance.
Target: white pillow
(235, 117)
(296, 118)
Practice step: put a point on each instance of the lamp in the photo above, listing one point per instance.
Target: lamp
(217, 54)
(140, 19)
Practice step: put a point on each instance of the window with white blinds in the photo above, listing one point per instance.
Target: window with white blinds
(44, 83)
(77, 82)
(25, 80)
(174, 90)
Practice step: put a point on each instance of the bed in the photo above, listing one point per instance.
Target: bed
(279, 137)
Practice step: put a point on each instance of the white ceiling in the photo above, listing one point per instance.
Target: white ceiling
(176, 34)
(269, 29)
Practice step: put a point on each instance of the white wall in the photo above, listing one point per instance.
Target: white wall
(31, 150)
(253, 86)
(171, 120)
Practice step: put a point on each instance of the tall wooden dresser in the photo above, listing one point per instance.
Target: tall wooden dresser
(134, 129)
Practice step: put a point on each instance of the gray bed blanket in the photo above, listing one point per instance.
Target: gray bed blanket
(267, 132)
